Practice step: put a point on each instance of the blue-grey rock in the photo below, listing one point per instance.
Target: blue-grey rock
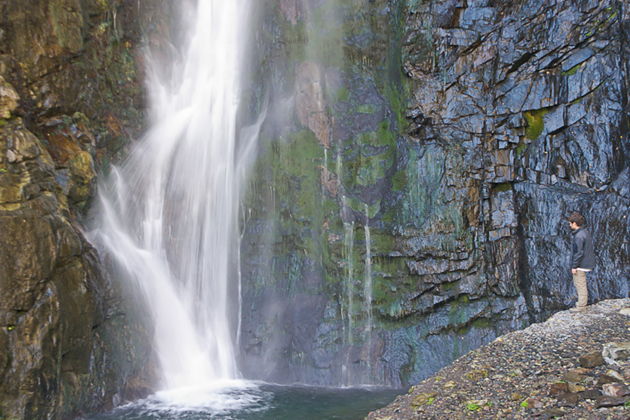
(514, 117)
(576, 58)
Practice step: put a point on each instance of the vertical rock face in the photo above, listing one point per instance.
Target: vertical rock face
(535, 95)
(49, 297)
(461, 133)
(70, 91)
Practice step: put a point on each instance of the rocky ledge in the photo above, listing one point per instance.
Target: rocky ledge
(575, 365)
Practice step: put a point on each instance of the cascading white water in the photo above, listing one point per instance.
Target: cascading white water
(168, 216)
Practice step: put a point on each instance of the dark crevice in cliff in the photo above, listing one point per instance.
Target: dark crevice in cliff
(522, 60)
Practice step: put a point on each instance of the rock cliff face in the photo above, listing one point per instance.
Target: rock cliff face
(70, 90)
(407, 202)
(414, 172)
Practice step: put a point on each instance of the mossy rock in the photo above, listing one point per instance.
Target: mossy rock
(425, 398)
(82, 167)
(535, 123)
(476, 375)
(67, 20)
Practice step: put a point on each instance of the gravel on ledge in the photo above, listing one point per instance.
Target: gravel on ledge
(553, 369)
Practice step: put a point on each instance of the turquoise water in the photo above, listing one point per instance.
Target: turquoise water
(263, 402)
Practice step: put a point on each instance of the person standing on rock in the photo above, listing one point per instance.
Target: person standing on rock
(582, 257)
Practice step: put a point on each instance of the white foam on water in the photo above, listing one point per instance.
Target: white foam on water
(220, 399)
(215, 397)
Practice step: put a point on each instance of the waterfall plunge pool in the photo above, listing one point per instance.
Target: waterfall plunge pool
(246, 400)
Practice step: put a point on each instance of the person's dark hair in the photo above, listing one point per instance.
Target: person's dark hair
(577, 218)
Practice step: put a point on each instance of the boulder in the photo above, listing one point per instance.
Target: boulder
(615, 390)
(591, 360)
(606, 401)
(617, 354)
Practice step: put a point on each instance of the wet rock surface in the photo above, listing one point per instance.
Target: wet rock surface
(461, 135)
(520, 91)
(532, 373)
(70, 86)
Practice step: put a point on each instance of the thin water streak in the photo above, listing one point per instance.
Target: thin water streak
(367, 291)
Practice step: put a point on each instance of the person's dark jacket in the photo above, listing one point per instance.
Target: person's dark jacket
(582, 255)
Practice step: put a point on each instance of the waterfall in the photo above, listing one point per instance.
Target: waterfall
(168, 215)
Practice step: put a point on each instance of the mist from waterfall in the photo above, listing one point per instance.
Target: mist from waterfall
(168, 216)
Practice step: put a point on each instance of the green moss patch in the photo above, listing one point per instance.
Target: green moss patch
(520, 149)
(426, 398)
(342, 95)
(573, 70)
(535, 123)
(502, 187)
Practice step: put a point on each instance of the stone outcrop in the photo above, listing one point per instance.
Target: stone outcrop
(432, 221)
(70, 99)
(50, 300)
(535, 98)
